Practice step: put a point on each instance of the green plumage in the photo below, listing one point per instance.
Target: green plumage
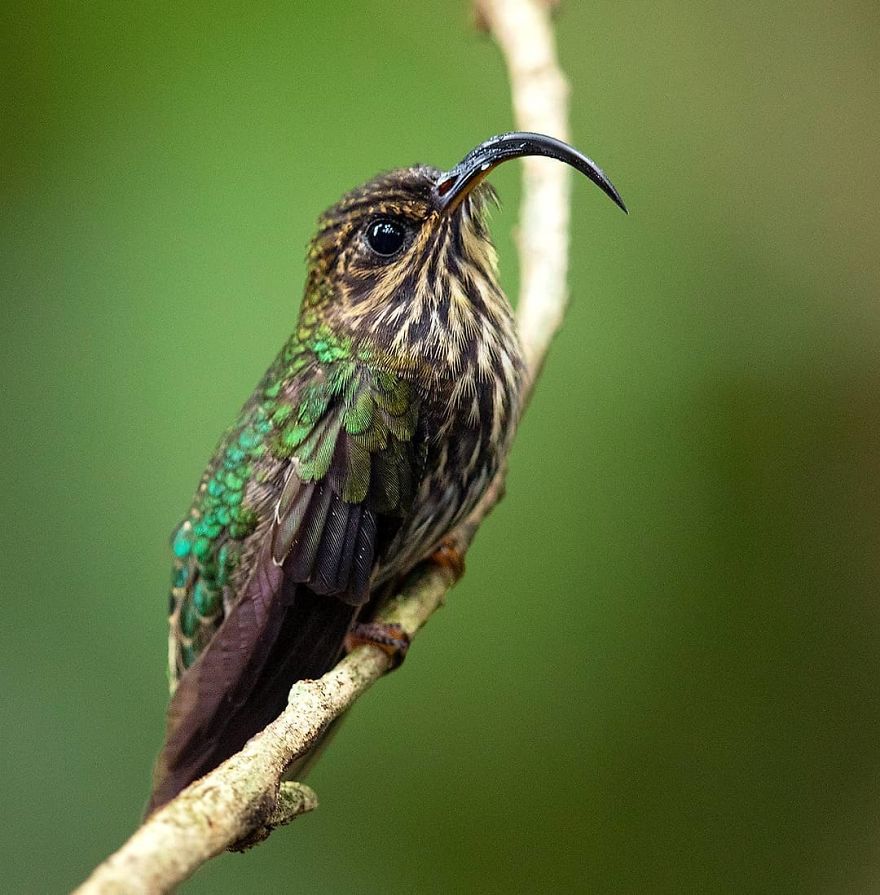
(315, 395)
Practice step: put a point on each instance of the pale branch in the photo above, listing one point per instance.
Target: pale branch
(524, 32)
(241, 801)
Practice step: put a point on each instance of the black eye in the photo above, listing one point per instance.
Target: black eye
(385, 237)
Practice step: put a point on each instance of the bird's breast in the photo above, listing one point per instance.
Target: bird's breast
(468, 418)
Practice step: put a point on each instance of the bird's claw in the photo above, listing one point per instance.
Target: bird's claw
(449, 557)
(390, 638)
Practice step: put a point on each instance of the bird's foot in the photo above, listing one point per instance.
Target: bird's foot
(391, 639)
(450, 557)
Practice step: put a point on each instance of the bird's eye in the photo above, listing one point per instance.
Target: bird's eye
(385, 237)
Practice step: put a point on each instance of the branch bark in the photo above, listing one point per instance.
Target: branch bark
(241, 801)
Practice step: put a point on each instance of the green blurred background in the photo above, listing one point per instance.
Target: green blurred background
(661, 671)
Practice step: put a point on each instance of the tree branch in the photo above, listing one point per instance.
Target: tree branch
(241, 801)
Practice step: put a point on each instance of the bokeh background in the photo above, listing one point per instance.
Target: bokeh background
(660, 673)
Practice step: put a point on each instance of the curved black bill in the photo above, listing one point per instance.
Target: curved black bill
(454, 185)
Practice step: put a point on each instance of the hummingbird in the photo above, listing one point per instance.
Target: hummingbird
(373, 433)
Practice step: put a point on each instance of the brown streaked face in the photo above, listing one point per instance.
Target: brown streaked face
(409, 244)
(391, 238)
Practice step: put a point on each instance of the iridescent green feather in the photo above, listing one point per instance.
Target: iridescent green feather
(337, 417)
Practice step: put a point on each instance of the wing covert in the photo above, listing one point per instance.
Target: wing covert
(354, 462)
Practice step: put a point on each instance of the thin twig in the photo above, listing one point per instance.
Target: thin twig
(241, 801)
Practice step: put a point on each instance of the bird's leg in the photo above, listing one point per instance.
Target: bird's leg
(391, 639)
(449, 556)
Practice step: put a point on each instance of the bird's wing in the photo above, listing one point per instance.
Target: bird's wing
(347, 464)
(354, 461)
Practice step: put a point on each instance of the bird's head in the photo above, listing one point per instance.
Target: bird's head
(408, 256)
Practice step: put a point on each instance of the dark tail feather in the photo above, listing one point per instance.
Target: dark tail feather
(241, 681)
